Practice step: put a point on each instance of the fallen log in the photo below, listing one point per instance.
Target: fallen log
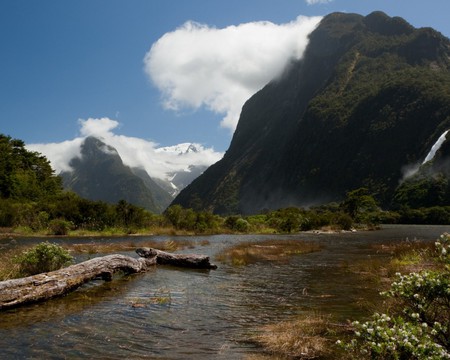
(45, 286)
(182, 260)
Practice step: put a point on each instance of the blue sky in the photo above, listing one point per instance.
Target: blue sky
(62, 61)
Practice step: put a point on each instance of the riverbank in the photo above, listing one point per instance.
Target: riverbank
(25, 232)
(13, 233)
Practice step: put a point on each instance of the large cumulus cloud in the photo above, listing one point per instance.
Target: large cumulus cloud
(197, 65)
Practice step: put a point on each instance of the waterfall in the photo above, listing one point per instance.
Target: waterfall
(435, 147)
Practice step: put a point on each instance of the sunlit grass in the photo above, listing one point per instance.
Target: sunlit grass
(402, 257)
(121, 246)
(307, 337)
(268, 250)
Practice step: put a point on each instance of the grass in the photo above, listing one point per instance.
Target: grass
(160, 297)
(113, 231)
(268, 250)
(307, 337)
(106, 248)
(8, 268)
(403, 257)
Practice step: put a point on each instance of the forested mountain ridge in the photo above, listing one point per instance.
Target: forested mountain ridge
(366, 102)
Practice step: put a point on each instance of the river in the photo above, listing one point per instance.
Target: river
(172, 313)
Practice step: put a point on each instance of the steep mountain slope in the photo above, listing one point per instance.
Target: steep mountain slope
(369, 99)
(101, 175)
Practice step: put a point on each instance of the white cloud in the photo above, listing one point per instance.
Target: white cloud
(197, 65)
(135, 152)
(97, 127)
(314, 2)
(59, 154)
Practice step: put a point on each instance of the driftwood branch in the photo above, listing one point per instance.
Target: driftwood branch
(182, 260)
(45, 286)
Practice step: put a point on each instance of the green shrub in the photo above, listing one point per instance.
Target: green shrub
(420, 327)
(344, 221)
(43, 257)
(59, 227)
(237, 223)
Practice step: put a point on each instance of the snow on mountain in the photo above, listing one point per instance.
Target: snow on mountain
(181, 149)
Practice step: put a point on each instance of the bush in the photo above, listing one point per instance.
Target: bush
(344, 221)
(59, 227)
(420, 328)
(44, 257)
(237, 223)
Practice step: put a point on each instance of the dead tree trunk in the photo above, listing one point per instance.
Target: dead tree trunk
(182, 260)
(45, 286)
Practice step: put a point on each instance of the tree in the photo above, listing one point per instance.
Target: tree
(25, 175)
(358, 203)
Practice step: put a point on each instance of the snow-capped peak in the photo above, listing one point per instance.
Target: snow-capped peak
(182, 148)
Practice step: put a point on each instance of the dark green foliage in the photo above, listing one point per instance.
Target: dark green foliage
(237, 223)
(423, 191)
(44, 257)
(436, 215)
(287, 219)
(358, 204)
(344, 221)
(59, 227)
(188, 219)
(24, 174)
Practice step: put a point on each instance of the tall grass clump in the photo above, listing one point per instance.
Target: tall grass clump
(246, 253)
(9, 269)
(307, 337)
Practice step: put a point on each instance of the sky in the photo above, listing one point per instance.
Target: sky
(155, 72)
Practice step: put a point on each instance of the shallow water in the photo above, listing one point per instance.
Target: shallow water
(172, 313)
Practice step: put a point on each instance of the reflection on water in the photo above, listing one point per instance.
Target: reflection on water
(172, 313)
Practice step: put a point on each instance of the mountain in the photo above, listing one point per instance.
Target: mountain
(178, 180)
(367, 101)
(99, 174)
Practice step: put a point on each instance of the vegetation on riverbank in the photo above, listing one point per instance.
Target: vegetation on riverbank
(412, 323)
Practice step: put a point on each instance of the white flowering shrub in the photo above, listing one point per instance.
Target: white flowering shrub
(421, 328)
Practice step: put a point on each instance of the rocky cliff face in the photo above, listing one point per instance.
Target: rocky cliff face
(368, 100)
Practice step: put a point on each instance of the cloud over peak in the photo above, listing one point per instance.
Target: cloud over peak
(135, 152)
(200, 66)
